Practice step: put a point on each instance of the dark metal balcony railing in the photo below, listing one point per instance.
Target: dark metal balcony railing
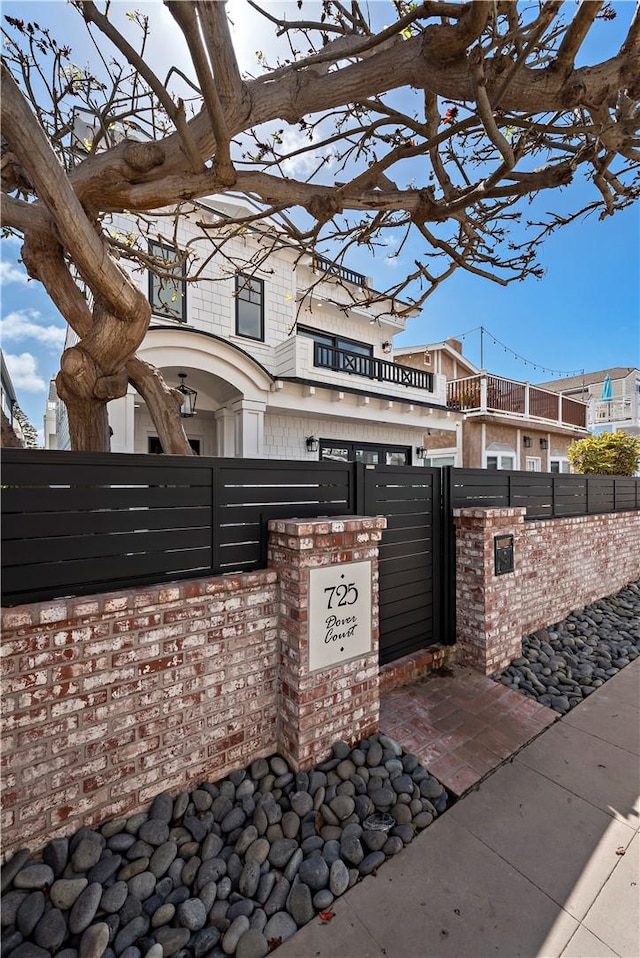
(328, 266)
(493, 394)
(357, 364)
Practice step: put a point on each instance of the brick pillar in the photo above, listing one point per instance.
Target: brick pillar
(341, 700)
(488, 606)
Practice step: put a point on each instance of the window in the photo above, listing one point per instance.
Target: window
(559, 464)
(168, 297)
(366, 452)
(500, 462)
(440, 461)
(155, 446)
(533, 464)
(249, 307)
(343, 355)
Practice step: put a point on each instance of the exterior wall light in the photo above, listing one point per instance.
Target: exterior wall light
(189, 396)
(312, 444)
(421, 452)
(544, 443)
(386, 346)
(527, 441)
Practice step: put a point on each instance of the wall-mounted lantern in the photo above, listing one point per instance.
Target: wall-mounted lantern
(313, 444)
(189, 396)
(544, 443)
(421, 452)
(527, 441)
(386, 346)
(503, 554)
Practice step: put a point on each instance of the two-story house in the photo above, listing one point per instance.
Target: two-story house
(286, 356)
(612, 397)
(507, 424)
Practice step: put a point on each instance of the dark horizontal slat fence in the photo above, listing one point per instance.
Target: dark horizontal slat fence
(77, 523)
(545, 495)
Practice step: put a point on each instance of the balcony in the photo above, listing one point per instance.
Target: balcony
(323, 265)
(612, 411)
(506, 397)
(300, 357)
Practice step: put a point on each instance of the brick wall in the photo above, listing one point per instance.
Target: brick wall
(109, 700)
(560, 565)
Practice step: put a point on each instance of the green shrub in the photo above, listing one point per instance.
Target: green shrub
(610, 454)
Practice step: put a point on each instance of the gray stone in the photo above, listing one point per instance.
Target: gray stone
(259, 768)
(430, 787)
(374, 755)
(121, 842)
(423, 819)
(245, 906)
(322, 899)
(331, 832)
(33, 876)
(281, 851)
(235, 818)
(249, 879)
(27, 950)
(172, 940)
(300, 904)
(374, 840)
(113, 898)
(133, 868)
(163, 915)
(351, 850)
(252, 944)
(383, 797)
(393, 845)
(30, 912)
(338, 878)
(314, 872)
(278, 897)
(342, 806)
(278, 765)
(161, 860)
(405, 832)
(293, 864)
(192, 914)
(162, 808)
(130, 933)
(10, 904)
(205, 941)
(104, 868)
(154, 831)
(12, 867)
(265, 887)
(211, 870)
(233, 934)
(370, 862)
(201, 799)
(94, 941)
(246, 838)
(84, 908)
(180, 804)
(197, 827)
(280, 926)
(258, 919)
(190, 870)
(258, 850)
(390, 743)
(142, 886)
(331, 852)
(402, 783)
(345, 769)
(88, 852)
(56, 855)
(290, 824)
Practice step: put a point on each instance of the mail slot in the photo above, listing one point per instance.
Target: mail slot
(503, 554)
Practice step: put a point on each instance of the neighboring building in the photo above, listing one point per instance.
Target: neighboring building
(507, 424)
(11, 430)
(289, 356)
(612, 395)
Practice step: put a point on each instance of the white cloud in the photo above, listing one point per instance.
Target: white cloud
(10, 273)
(26, 324)
(23, 370)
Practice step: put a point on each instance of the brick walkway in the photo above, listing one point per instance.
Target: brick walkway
(461, 725)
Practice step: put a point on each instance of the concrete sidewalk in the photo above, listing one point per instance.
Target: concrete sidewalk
(543, 859)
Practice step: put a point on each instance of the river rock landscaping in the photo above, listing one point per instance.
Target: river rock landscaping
(563, 664)
(232, 868)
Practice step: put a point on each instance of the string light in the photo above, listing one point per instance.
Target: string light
(528, 362)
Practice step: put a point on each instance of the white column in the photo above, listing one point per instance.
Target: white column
(249, 428)
(459, 449)
(122, 422)
(225, 432)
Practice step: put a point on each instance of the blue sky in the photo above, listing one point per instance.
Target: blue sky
(584, 313)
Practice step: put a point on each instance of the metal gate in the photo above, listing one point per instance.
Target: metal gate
(410, 556)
